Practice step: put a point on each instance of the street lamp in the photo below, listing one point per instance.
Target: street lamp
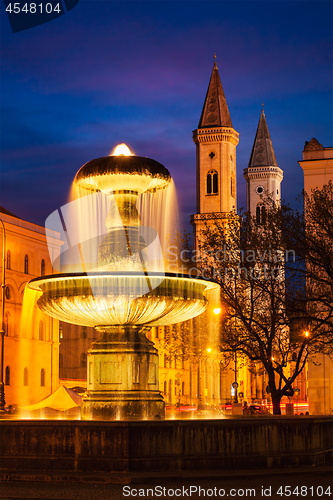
(3, 295)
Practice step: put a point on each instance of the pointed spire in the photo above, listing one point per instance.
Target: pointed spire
(262, 152)
(215, 112)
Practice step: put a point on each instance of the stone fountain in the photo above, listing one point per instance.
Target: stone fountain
(122, 297)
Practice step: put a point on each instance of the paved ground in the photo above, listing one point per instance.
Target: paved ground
(313, 483)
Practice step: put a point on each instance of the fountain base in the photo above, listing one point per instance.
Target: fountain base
(123, 376)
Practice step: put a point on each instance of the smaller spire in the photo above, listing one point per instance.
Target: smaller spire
(262, 154)
(215, 65)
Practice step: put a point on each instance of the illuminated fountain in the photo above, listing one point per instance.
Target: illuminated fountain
(124, 295)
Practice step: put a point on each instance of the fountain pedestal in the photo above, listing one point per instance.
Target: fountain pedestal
(123, 376)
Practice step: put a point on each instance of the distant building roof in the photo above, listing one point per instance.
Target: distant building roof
(7, 212)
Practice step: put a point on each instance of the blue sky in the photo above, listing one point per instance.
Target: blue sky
(137, 72)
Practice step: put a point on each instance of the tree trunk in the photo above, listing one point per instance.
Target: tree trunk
(276, 400)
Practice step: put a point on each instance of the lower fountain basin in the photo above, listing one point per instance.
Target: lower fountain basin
(126, 298)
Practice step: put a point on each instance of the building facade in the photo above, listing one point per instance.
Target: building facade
(31, 340)
(317, 165)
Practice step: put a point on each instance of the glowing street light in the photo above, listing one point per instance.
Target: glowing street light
(306, 333)
(217, 310)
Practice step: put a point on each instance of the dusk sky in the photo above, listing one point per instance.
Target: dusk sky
(137, 72)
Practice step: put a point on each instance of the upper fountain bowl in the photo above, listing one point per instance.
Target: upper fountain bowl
(122, 298)
(122, 173)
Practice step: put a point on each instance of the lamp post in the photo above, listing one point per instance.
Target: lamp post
(235, 383)
(3, 295)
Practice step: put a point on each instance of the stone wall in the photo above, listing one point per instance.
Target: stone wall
(167, 446)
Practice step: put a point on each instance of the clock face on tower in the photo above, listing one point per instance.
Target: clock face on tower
(260, 189)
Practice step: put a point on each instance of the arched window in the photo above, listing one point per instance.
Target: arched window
(165, 386)
(7, 293)
(170, 390)
(8, 259)
(83, 360)
(212, 182)
(209, 184)
(60, 361)
(26, 264)
(260, 214)
(42, 377)
(42, 268)
(263, 215)
(25, 377)
(176, 383)
(165, 361)
(7, 375)
(83, 332)
(61, 331)
(41, 330)
(183, 388)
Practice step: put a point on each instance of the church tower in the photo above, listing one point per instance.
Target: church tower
(263, 176)
(216, 142)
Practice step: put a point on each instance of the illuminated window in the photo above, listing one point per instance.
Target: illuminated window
(7, 375)
(183, 388)
(42, 377)
(83, 360)
(8, 259)
(176, 383)
(165, 386)
(212, 182)
(25, 377)
(26, 264)
(170, 388)
(61, 331)
(42, 268)
(41, 330)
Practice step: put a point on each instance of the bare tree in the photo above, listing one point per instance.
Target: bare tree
(262, 287)
(310, 233)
